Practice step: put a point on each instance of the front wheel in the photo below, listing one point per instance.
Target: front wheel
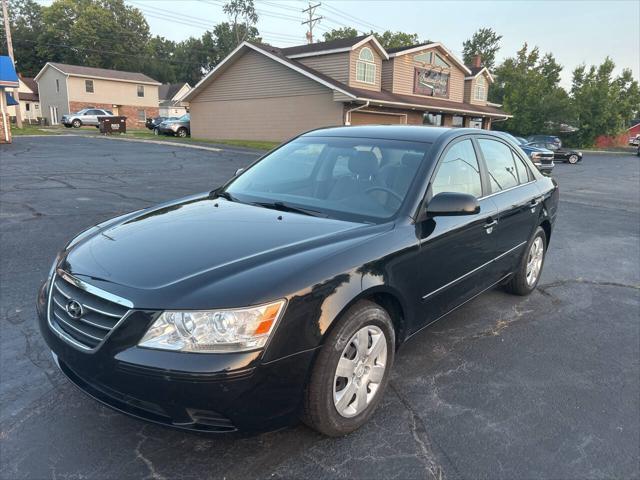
(528, 274)
(351, 372)
(182, 132)
(573, 159)
(76, 123)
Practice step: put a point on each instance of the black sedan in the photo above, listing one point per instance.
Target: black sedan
(561, 154)
(286, 292)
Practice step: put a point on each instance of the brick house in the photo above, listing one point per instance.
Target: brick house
(68, 88)
(261, 92)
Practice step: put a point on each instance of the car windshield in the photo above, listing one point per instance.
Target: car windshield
(355, 179)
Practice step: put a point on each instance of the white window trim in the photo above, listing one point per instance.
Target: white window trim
(480, 86)
(367, 64)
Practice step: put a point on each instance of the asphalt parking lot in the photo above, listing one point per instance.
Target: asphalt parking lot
(546, 386)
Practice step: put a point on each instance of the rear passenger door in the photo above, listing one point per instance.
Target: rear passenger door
(513, 190)
(456, 252)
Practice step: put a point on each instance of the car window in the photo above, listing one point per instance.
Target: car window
(355, 179)
(501, 167)
(458, 171)
(524, 175)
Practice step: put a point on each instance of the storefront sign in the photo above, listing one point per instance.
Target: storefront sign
(431, 82)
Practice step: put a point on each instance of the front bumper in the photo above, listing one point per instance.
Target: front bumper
(200, 392)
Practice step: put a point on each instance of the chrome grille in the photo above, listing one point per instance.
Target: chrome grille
(81, 318)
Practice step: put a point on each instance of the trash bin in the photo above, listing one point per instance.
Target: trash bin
(115, 124)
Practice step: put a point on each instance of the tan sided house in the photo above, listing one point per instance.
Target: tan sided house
(67, 89)
(260, 92)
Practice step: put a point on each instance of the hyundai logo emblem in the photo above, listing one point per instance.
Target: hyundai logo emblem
(74, 309)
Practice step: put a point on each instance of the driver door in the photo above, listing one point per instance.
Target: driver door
(456, 252)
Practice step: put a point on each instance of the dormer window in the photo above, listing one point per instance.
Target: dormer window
(431, 58)
(366, 67)
(481, 89)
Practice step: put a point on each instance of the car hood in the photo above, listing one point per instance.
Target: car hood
(531, 148)
(199, 240)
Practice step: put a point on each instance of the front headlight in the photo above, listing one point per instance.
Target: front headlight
(214, 331)
(535, 155)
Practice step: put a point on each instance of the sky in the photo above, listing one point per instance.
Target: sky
(575, 32)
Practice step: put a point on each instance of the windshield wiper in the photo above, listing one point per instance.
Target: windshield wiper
(223, 194)
(283, 207)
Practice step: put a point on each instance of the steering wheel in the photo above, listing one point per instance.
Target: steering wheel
(386, 190)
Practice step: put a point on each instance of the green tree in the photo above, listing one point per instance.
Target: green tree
(339, 33)
(484, 42)
(603, 104)
(96, 33)
(25, 20)
(242, 16)
(224, 39)
(387, 39)
(527, 86)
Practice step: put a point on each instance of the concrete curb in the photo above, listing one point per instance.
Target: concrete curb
(154, 142)
(606, 152)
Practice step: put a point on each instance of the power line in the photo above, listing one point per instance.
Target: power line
(348, 16)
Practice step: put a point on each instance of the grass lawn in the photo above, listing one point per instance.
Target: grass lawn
(34, 130)
(148, 134)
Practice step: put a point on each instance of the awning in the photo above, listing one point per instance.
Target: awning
(8, 76)
(10, 100)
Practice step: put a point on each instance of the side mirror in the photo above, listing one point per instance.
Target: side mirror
(447, 204)
(238, 172)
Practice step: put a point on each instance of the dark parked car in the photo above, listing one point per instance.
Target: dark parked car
(152, 123)
(550, 139)
(542, 158)
(561, 154)
(180, 127)
(286, 292)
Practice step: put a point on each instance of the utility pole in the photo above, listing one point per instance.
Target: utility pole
(311, 21)
(7, 30)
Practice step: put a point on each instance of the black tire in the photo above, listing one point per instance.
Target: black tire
(320, 412)
(182, 132)
(518, 284)
(76, 123)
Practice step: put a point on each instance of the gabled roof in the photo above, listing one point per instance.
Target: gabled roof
(475, 71)
(100, 73)
(356, 94)
(273, 53)
(397, 52)
(8, 75)
(333, 46)
(167, 91)
(31, 83)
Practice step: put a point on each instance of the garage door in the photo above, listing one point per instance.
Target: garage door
(370, 118)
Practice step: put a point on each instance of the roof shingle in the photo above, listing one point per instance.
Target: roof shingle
(103, 73)
(321, 46)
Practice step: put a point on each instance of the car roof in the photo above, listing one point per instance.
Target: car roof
(410, 133)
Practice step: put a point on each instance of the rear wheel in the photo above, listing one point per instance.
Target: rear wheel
(573, 159)
(76, 123)
(529, 271)
(351, 371)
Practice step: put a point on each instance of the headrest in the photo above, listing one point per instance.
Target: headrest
(364, 164)
(412, 159)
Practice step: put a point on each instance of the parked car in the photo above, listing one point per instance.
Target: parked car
(87, 116)
(550, 139)
(634, 141)
(561, 154)
(286, 291)
(152, 123)
(542, 158)
(180, 127)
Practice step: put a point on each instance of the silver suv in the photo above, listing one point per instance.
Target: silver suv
(87, 116)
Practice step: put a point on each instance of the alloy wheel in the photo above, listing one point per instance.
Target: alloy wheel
(360, 371)
(573, 159)
(534, 261)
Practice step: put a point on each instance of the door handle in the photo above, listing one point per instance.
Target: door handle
(490, 223)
